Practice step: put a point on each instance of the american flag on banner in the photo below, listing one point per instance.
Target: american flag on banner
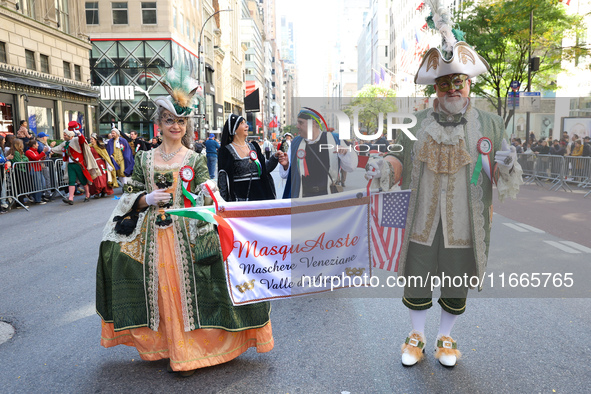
(387, 223)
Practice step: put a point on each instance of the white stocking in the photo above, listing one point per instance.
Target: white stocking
(447, 323)
(418, 319)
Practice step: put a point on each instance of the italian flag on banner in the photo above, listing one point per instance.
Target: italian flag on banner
(208, 214)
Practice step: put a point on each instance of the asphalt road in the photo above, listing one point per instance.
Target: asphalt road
(533, 341)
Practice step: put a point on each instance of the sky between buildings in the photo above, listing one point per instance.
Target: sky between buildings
(314, 28)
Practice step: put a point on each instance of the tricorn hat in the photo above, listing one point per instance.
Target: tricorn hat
(464, 60)
(455, 55)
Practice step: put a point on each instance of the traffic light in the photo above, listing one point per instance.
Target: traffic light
(534, 64)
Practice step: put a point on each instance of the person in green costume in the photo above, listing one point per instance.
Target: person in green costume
(450, 160)
(161, 284)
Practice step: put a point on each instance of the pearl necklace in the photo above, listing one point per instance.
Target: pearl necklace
(169, 156)
(245, 145)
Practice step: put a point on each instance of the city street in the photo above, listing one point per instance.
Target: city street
(348, 341)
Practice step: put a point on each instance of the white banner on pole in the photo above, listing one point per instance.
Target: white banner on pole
(284, 248)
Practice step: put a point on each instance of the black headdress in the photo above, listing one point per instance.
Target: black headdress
(230, 128)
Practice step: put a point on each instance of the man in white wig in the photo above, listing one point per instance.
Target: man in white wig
(458, 154)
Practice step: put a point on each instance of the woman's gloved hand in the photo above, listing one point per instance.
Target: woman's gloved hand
(157, 197)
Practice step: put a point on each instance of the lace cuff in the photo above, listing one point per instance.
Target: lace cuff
(509, 181)
(125, 205)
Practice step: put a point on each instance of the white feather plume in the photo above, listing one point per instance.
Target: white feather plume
(443, 23)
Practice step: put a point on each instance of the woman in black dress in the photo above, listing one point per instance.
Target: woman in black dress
(243, 172)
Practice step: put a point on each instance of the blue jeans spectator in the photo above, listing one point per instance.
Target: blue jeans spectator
(211, 165)
(38, 182)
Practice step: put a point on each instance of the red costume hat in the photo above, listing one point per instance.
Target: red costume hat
(74, 126)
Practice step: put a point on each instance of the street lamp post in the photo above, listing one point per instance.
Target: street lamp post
(202, 110)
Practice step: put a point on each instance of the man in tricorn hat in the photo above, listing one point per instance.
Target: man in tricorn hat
(450, 168)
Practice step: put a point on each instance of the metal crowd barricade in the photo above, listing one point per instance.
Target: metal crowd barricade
(528, 162)
(7, 190)
(578, 170)
(28, 178)
(561, 171)
(551, 168)
(60, 179)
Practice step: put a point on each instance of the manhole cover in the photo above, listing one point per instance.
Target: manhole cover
(6, 332)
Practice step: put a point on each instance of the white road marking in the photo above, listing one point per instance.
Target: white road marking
(577, 246)
(530, 228)
(562, 247)
(516, 228)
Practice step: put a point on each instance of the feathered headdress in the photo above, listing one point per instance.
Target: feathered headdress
(455, 56)
(181, 89)
(441, 20)
(309, 113)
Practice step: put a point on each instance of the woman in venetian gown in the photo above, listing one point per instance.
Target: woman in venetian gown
(161, 284)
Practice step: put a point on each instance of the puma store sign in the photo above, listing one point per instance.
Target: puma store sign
(117, 93)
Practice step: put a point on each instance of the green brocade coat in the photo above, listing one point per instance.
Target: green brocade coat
(479, 124)
(127, 272)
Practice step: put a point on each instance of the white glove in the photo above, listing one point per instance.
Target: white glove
(506, 157)
(109, 167)
(372, 169)
(212, 185)
(159, 195)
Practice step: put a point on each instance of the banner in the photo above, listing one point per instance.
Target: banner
(285, 248)
(252, 102)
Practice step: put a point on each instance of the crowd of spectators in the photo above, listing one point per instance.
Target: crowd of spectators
(32, 181)
(566, 146)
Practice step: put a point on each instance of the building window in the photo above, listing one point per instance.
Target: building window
(174, 17)
(3, 52)
(62, 14)
(30, 57)
(149, 13)
(119, 13)
(67, 71)
(181, 19)
(188, 29)
(44, 63)
(27, 7)
(92, 13)
(77, 73)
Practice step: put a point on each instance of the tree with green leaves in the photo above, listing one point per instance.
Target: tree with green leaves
(370, 101)
(500, 32)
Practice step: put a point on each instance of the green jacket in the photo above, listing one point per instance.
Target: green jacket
(479, 124)
(20, 158)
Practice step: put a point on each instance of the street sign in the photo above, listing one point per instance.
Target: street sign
(515, 85)
(531, 101)
(513, 100)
